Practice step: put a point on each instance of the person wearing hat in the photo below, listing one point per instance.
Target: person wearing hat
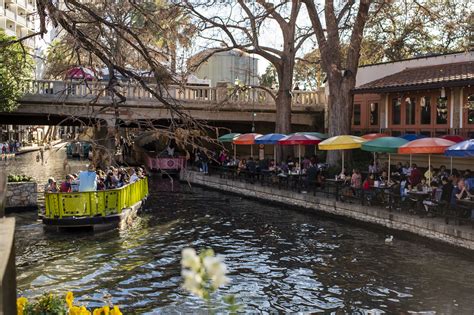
(66, 185)
(51, 186)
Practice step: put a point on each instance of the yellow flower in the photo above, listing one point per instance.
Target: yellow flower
(97, 311)
(84, 311)
(20, 305)
(74, 310)
(115, 311)
(106, 310)
(69, 299)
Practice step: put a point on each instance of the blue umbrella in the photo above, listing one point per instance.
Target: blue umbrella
(412, 136)
(271, 138)
(461, 149)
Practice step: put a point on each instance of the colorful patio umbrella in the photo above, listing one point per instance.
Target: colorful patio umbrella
(456, 139)
(386, 144)
(271, 138)
(461, 149)
(427, 146)
(453, 138)
(299, 139)
(343, 142)
(412, 136)
(80, 73)
(229, 138)
(247, 139)
(319, 135)
(373, 136)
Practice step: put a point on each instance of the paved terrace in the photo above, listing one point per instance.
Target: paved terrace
(90, 99)
(442, 228)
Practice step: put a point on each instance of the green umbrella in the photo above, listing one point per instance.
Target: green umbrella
(229, 138)
(385, 144)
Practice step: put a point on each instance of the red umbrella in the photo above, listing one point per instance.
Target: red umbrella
(373, 136)
(299, 139)
(428, 146)
(247, 138)
(80, 73)
(454, 138)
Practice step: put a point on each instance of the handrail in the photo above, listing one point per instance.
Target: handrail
(95, 203)
(200, 94)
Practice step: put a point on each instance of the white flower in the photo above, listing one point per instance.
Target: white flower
(216, 271)
(192, 282)
(190, 259)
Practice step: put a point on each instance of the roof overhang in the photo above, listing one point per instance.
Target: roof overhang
(413, 87)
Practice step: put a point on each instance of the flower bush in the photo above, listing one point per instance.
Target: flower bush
(49, 304)
(204, 274)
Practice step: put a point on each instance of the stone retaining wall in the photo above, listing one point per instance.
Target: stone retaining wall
(22, 195)
(433, 228)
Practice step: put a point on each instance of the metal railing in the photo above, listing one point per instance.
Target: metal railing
(94, 203)
(207, 95)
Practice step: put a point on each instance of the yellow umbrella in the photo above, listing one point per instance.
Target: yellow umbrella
(343, 142)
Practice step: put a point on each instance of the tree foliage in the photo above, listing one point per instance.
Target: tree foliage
(269, 78)
(15, 71)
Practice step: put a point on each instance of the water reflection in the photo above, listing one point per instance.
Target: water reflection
(279, 260)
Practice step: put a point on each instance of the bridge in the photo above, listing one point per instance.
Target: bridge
(51, 102)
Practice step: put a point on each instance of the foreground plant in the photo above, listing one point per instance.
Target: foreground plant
(204, 274)
(50, 304)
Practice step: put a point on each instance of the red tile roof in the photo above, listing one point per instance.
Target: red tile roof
(445, 75)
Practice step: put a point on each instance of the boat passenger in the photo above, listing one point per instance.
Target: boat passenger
(66, 185)
(51, 186)
(88, 179)
(133, 176)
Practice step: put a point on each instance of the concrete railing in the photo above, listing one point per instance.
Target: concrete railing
(193, 94)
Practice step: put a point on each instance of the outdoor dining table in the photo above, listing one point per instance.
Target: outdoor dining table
(381, 191)
(467, 204)
(420, 196)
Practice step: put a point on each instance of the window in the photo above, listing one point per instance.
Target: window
(442, 111)
(410, 111)
(374, 114)
(356, 115)
(425, 110)
(396, 111)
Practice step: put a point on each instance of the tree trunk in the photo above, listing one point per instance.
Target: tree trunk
(340, 111)
(104, 147)
(283, 107)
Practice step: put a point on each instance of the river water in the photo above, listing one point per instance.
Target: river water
(280, 260)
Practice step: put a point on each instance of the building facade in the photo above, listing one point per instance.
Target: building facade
(227, 66)
(17, 19)
(433, 96)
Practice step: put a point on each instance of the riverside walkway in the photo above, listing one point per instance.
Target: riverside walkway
(461, 236)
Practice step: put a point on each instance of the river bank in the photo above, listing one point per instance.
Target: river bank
(460, 236)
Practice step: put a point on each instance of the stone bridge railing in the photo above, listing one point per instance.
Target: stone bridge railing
(187, 94)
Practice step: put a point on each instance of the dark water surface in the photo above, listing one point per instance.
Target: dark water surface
(279, 260)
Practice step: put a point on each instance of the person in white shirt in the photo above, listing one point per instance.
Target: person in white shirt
(133, 176)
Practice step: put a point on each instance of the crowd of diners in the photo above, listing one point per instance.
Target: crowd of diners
(94, 179)
(438, 186)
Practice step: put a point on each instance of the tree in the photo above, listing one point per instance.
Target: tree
(239, 25)
(340, 67)
(15, 71)
(269, 77)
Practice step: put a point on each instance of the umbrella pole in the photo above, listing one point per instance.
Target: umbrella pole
(389, 169)
(342, 161)
(299, 156)
(275, 154)
(235, 153)
(429, 169)
(251, 151)
(374, 160)
(451, 167)
(410, 161)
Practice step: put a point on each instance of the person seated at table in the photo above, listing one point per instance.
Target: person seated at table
(404, 187)
(306, 163)
(442, 173)
(367, 188)
(385, 167)
(311, 176)
(342, 175)
(290, 162)
(272, 166)
(283, 169)
(415, 175)
(463, 192)
(422, 185)
(66, 185)
(373, 167)
(430, 174)
(398, 169)
(262, 165)
(251, 166)
(447, 188)
(435, 196)
(383, 178)
(242, 166)
(406, 169)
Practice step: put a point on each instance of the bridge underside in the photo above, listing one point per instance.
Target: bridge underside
(143, 116)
